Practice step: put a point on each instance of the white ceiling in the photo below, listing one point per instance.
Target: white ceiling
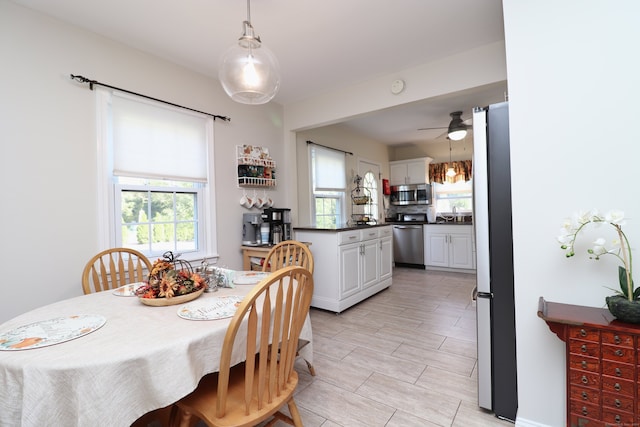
(321, 45)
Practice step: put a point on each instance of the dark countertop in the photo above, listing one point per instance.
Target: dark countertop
(343, 227)
(443, 222)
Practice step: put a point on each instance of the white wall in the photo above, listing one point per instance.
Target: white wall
(573, 85)
(47, 128)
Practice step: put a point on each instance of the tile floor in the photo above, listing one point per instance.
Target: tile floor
(404, 357)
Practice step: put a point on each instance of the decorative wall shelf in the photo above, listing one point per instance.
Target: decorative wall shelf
(255, 167)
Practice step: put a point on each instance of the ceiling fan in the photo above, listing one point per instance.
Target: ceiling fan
(457, 128)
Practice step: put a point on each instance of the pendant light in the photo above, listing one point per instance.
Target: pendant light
(457, 129)
(248, 71)
(451, 172)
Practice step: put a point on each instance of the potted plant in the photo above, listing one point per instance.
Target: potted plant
(625, 305)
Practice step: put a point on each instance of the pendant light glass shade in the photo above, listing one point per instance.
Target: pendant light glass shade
(248, 71)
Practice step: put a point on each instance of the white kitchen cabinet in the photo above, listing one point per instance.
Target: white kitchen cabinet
(350, 265)
(448, 246)
(414, 171)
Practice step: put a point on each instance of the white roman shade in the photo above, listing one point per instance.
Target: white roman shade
(151, 140)
(329, 169)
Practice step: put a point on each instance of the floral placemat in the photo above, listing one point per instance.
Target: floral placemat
(249, 277)
(49, 332)
(128, 290)
(211, 308)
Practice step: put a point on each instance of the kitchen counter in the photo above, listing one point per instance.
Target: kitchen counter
(343, 227)
(392, 222)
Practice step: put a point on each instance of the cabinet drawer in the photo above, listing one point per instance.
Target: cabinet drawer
(618, 385)
(618, 370)
(618, 354)
(345, 237)
(584, 378)
(385, 231)
(585, 409)
(617, 401)
(613, 417)
(586, 334)
(584, 363)
(616, 338)
(370, 233)
(584, 394)
(584, 348)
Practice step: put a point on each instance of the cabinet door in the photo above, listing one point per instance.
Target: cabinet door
(397, 174)
(369, 261)
(349, 270)
(437, 250)
(417, 173)
(460, 251)
(386, 258)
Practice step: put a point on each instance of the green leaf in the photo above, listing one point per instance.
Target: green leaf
(622, 277)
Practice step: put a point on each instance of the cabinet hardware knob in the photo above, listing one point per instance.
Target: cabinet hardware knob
(618, 403)
(583, 348)
(583, 333)
(584, 379)
(618, 372)
(616, 339)
(584, 364)
(584, 411)
(617, 387)
(619, 352)
(618, 418)
(585, 396)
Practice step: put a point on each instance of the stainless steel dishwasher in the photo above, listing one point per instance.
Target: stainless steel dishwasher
(408, 243)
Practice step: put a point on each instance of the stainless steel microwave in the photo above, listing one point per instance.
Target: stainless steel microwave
(414, 194)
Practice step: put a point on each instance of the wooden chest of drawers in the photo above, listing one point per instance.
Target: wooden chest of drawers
(603, 368)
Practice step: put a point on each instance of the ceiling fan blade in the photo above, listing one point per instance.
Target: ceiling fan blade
(442, 127)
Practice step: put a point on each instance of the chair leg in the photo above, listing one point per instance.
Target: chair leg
(312, 370)
(185, 419)
(295, 415)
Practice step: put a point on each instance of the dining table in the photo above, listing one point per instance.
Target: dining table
(129, 358)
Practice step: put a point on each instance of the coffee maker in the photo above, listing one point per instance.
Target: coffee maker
(279, 220)
(251, 229)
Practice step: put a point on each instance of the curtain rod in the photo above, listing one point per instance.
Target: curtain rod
(330, 148)
(83, 79)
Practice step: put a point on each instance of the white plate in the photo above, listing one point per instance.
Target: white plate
(249, 277)
(49, 332)
(211, 308)
(128, 290)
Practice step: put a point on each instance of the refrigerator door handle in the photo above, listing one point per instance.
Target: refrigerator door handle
(485, 295)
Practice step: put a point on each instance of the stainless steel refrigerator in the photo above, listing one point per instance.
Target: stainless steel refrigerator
(497, 376)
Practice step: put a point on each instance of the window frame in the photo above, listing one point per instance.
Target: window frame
(467, 189)
(340, 196)
(109, 233)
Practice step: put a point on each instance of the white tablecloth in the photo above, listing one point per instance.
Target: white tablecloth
(143, 358)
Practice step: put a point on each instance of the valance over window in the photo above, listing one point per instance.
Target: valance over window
(438, 172)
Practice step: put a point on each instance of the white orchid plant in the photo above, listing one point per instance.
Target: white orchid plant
(618, 247)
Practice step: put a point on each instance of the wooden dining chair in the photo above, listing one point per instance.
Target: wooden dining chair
(290, 252)
(271, 316)
(113, 268)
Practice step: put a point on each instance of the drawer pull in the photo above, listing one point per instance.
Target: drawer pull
(583, 333)
(585, 380)
(617, 387)
(585, 396)
(618, 372)
(619, 352)
(618, 403)
(583, 347)
(616, 339)
(618, 418)
(584, 411)
(584, 364)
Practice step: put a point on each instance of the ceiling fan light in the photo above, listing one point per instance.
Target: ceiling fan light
(248, 71)
(457, 135)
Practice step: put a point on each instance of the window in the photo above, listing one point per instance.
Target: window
(328, 184)
(458, 195)
(155, 177)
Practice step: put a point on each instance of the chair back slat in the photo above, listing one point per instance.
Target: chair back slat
(287, 253)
